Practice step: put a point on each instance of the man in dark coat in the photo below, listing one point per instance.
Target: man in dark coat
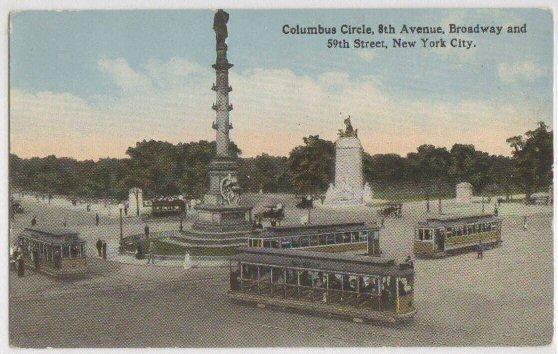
(99, 246)
(104, 250)
(20, 265)
(36, 260)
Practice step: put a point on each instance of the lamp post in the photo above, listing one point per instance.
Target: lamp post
(181, 220)
(427, 201)
(121, 233)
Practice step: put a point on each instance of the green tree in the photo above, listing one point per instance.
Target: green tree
(532, 157)
(268, 173)
(429, 166)
(311, 165)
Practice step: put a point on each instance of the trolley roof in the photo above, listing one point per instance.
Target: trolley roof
(540, 195)
(308, 230)
(450, 220)
(51, 235)
(322, 261)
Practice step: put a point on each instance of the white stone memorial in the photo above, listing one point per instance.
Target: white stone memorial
(464, 193)
(135, 202)
(349, 187)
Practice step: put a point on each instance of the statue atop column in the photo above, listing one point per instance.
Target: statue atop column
(220, 27)
(349, 131)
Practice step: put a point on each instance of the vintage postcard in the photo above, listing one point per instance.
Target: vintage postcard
(225, 178)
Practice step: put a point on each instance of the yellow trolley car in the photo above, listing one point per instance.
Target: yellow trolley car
(357, 287)
(447, 234)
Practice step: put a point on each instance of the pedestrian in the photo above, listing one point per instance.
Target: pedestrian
(88, 208)
(496, 210)
(35, 257)
(97, 219)
(20, 265)
(57, 259)
(383, 220)
(99, 246)
(104, 250)
(64, 223)
(139, 251)
(187, 261)
(480, 250)
(409, 260)
(13, 255)
(146, 231)
(181, 226)
(525, 223)
(150, 252)
(34, 220)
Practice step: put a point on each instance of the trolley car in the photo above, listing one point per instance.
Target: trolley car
(438, 237)
(358, 287)
(57, 252)
(166, 207)
(324, 238)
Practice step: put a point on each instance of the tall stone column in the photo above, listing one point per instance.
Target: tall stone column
(224, 166)
(222, 106)
(220, 214)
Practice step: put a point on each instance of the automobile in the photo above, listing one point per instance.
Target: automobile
(276, 212)
(391, 210)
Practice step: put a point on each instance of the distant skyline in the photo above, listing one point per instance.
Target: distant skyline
(89, 84)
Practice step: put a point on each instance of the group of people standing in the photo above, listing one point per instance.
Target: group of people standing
(101, 248)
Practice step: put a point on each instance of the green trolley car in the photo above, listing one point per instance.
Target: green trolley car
(56, 252)
(448, 234)
(357, 287)
(324, 238)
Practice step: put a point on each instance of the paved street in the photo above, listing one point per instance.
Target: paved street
(503, 299)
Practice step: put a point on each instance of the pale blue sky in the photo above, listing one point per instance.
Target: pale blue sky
(78, 80)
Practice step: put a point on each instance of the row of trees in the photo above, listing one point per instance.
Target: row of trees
(161, 168)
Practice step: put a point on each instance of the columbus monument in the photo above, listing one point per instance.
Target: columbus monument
(221, 215)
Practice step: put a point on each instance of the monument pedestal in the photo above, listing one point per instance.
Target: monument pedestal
(219, 217)
(349, 188)
(464, 193)
(214, 221)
